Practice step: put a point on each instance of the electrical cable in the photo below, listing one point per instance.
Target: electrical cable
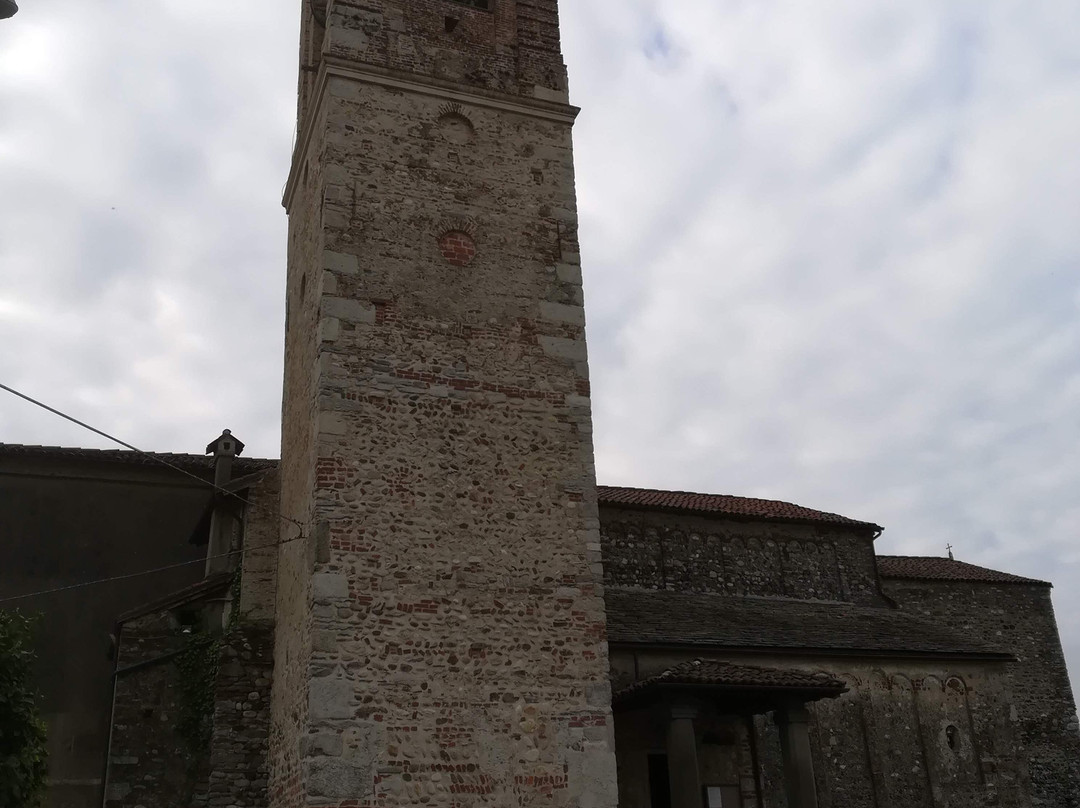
(164, 462)
(141, 573)
(137, 450)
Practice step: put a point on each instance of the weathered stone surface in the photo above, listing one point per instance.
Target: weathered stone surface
(1021, 618)
(685, 553)
(353, 311)
(239, 766)
(340, 262)
(437, 422)
(337, 779)
(329, 586)
(883, 744)
(331, 698)
(561, 313)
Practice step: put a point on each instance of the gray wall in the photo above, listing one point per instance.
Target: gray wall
(682, 552)
(69, 519)
(883, 744)
(1020, 618)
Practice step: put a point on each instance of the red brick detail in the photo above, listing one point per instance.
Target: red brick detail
(588, 720)
(385, 312)
(458, 248)
(331, 472)
(929, 568)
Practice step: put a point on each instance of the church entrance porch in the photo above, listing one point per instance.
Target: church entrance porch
(685, 737)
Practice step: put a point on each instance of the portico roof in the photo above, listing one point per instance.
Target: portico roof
(650, 617)
(743, 688)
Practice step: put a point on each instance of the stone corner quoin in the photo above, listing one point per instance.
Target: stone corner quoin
(443, 637)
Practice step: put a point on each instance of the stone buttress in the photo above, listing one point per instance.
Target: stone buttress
(440, 621)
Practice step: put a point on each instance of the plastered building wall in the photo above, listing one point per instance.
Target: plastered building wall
(74, 515)
(1019, 617)
(441, 629)
(679, 552)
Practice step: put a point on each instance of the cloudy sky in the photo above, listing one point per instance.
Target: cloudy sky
(831, 248)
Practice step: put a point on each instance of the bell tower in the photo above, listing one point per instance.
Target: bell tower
(440, 621)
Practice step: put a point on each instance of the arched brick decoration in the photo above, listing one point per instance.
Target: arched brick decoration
(457, 247)
(455, 126)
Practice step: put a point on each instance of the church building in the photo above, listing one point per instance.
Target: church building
(428, 600)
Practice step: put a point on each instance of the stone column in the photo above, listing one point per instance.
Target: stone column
(683, 772)
(793, 722)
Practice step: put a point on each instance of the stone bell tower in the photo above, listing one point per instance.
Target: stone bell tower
(440, 627)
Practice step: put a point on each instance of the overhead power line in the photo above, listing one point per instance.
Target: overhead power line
(157, 459)
(137, 450)
(141, 573)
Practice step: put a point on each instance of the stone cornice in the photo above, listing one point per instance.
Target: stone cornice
(335, 68)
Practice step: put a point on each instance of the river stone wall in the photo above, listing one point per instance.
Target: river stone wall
(1019, 618)
(709, 555)
(441, 629)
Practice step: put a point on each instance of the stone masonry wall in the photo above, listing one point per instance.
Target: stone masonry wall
(238, 751)
(262, 534)
(154, 760)
(150, 763)
(908, 733)
(1020, 619)
(296, 556)
(441, 631)
(511, 48)
(678, 552)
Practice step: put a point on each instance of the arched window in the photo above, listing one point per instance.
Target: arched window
(952, 737)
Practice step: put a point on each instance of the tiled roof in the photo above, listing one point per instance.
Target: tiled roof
(189, 462)
(200, 590)
(931, 568)
(716, 673)
(685, 619)
(723, 505)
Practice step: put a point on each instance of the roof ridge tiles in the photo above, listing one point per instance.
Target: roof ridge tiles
(125, 455)
(723, 505)
(938, 568)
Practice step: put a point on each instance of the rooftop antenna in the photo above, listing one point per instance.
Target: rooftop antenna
(8, 8)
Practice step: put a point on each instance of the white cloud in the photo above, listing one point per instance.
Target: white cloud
(831, 249)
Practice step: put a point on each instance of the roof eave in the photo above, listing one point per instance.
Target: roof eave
(958, 580)
(782, 650)
(862, 527)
